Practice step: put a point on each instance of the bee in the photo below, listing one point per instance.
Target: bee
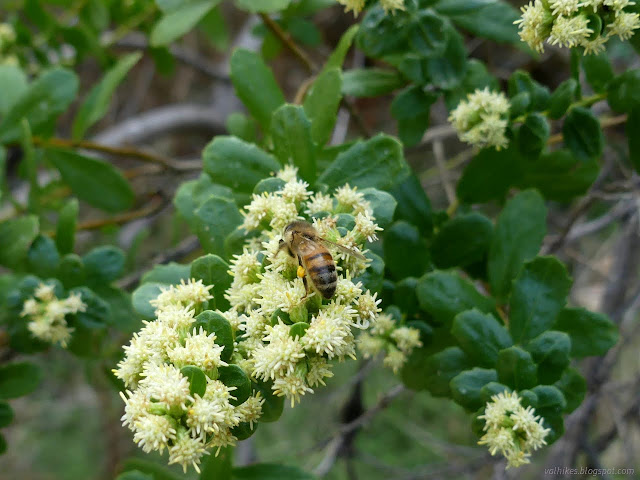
(302, 241)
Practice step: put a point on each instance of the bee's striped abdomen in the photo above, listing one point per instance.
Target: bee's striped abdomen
(322, 271)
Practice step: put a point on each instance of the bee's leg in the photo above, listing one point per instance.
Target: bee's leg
(303, 275)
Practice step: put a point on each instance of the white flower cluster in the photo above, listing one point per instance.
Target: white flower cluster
(571, 23)
(283, 334)
(356, 6)
(511, 429)
(268, 295)
(46, 314)
(160, 409)
(397, 343)
(482, 119)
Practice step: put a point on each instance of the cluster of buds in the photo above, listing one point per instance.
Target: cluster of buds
(46, 314)
(162, 409)
(356, 6)
(286, 334)
(283, 335)
(574, 23)
(397, 343)
(512, 430)
(482, 119)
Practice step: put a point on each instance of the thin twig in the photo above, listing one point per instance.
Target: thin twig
(156, 204)
(604, 123)
(183, 249)
(285, 38)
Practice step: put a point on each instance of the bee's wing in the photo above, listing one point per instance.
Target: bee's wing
(346, 250)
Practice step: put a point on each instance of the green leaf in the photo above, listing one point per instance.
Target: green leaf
(241, 126)
(427, 33)
(197, 379)
(598, 71)
(66, 227)
(322, 102)
(256, 86)
(591, 333)
(48, 96)
(480, 336)
(237, 164)
(141, 297)
(172, 274)
(405, 297)
(517, 238)
(212, 270)
(632, 127)
(3, 444)
(176, 22)
(213, 322)
(378, 163)
(582, 134)
(539, 294)
(96, 103)
(193, 193)
(269, 185)
(244, 430)
(214, 26)
(298, 329)
(95, 181)
(134, 475)
(104, 264)
(560, 176)
(263, 6)
(462, 241)
(562, 97)
(336, 59)
(370, 82)
(516, 368)
(521, 81)
(16, 236)
(412, 109)
(489, 175)
(550, 350)
(400, 238)
(381, 34)
(218, 217)
(155, 471)
(574, 388)
(273, 406)
(292, 143)
(267, 471)
(466, 387)
(71, 271)
(492, 19)
(551, 403)
(6, 414)
(533, 136)
(13, 84)
(491, 389)
(413, 204)
(446, 71)
(43, 257)
(382, 203)
(218, 467)
(18, 379)
(234, 376)
(446, 294)
(623, 92)
(433, 373)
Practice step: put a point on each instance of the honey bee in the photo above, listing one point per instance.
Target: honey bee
(302, 242)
